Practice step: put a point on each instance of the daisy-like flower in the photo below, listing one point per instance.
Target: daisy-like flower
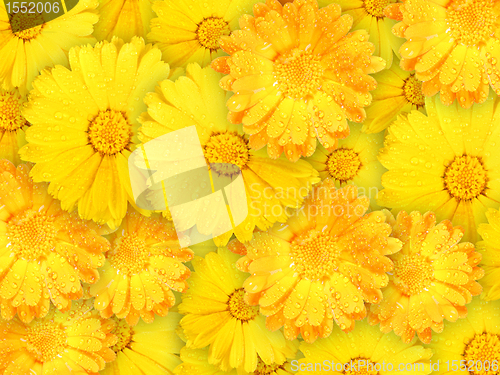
(12, 125)
(74, 342)
(472, 345)
(188, 31)
(44, 251)
(490, 250)
(365, 350)
(434, 277)
(24, 53)
(453, 46)
(217, 315)
(397, 93)
(143, 265)
(322, 265)
(297, 74)
(353, 162)
(272, 186)
(147, 348)
(84, 123)
(446, 162)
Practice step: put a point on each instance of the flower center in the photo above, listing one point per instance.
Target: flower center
(45, 341)
(375, 7)
(343, 164)
(465, 177)
(10, 111)
(412, 89)
(123, 333)
(360, 366)
(229, 150)
(471, 21)
(210, 30)
(298, 73)
(412, 274)
(110, 132)
(31, 234)
(484, 348)
(315, 255)
(239, 309)
(27, 26)
(263, 369)
(130, 254)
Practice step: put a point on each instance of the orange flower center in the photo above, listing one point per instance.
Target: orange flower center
(110, 132)
(10, 111)
(32, 234)
(361, 366)
(465, 178)
(123, 333)
(210, 30)
(484, 348)
(228, 148)
(298, 73)
(130, 254)
(343, 164)
(412, 89)
(375, 7)
(471, 21)
(27, 26)
(412, 274)
(315, 255)
(45, 341)
(239, 309)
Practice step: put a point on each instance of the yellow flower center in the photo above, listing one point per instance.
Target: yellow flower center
(375, 7)
(412, 89)
(298, 73)
(27, 26)
(484, 348)
(471, 21)
(315, 255)
(130, 254)
(343, 164)
(210, 30)
(360, 366)
(263, 369)
(10, 111)
(412, 274)
(465, 177)
(45, 341)
(239, 309)
(32, 234)
(227, 148)
(123, 333)
(110, 132)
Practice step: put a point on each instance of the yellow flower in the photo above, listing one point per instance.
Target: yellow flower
(365, 350)
(123, 19)
(490, 250)
(445, 162)
(12, 125)
(188, 31)
(434, 277)
(473, 343)
(453, 46)
(74, 342)
(397, 93)
(24, 53)
(84, 125)
(322, 265)
(297, 74)
(44, 251)
(147, 348)
(143, 265)
(217, 315)
(272, 186)
(353, 162)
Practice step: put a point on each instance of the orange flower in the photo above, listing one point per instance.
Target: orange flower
(324, 263)
(434, 277)
(297, 74)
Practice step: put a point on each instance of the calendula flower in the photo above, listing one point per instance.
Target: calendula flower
(397, 93)
(353, 162)
(453, 46)
(322, 265)
(142, 266)
(273, 187)
(472, 345)
(434, 277)
(146, 348)
(74, 342)
(490, 250)
(188, 31)
(84, 123)
(364, 350)
(445, 162)
(217, 315)
(297, 74)
(12, 125)
(44, 251)
(38, 45)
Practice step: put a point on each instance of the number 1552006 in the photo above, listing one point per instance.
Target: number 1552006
(32, 7)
